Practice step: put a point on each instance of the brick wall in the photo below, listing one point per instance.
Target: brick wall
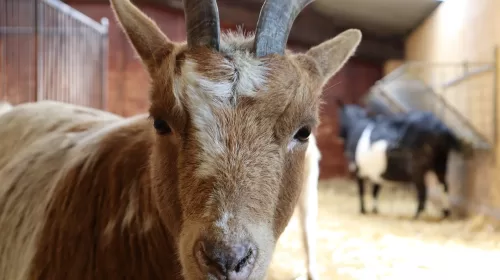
(128, 82)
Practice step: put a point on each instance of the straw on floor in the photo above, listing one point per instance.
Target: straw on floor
(389, 245)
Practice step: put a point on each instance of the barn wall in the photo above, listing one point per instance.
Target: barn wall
(467, 30)
(391, 65)
(128, 82)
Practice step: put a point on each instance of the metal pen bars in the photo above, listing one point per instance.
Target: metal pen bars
(50, 51)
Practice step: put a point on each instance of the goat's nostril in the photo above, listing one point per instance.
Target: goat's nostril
(243, 262)
(221, 259)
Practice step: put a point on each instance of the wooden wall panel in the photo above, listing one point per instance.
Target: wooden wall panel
(391, 65)
(467, 30)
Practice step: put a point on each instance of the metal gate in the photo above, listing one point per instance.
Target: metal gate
(49, 50)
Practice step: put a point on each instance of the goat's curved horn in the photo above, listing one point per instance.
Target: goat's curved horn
(274, 25)
(202, 23)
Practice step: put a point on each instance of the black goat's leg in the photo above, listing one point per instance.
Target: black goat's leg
(446, 206)
(421, 196)
(445, 196)
(375, 192)
(361, 192)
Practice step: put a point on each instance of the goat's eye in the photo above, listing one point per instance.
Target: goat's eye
(161, 126)
(302, 134)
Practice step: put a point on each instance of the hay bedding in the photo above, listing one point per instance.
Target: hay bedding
(390, 245)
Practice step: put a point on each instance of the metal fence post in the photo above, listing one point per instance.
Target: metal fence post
(38, 51)
(104, 63)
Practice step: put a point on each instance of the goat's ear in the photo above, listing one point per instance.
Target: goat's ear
(331, 55)
(145, 36)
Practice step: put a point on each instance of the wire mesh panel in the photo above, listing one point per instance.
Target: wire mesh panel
(463, 95)
(17, 51)
(48, 50)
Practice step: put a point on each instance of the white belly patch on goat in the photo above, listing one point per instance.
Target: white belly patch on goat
(371, 158)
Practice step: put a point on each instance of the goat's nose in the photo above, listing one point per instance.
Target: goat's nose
(232, 262)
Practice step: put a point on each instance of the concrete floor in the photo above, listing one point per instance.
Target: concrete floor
(389, 245)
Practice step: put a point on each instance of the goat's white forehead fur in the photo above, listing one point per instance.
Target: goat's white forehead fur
(246, 77)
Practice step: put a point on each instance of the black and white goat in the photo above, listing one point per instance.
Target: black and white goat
(405, 148)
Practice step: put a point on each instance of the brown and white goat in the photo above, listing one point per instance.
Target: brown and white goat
(200, 189)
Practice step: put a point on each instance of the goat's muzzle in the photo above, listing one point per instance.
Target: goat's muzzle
(228, 261)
